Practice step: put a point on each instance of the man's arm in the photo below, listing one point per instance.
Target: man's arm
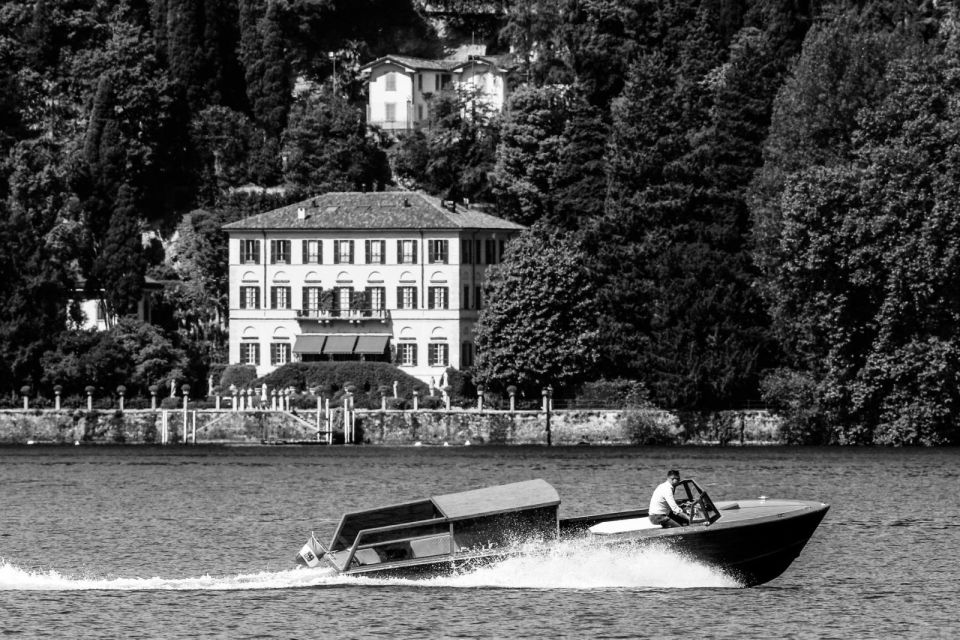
(674, 507)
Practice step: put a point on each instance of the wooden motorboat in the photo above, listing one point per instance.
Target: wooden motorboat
(753, 541)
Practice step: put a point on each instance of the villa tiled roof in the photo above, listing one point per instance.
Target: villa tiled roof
(373, 210)
(504, 62)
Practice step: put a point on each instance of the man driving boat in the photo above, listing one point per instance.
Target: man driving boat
(664, 510)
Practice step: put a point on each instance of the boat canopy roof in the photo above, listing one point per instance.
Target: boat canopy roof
(518, 496)
(476, 503)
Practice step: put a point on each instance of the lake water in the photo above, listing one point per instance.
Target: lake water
(176, 542)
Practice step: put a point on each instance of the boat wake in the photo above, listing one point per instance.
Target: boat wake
(568, 565)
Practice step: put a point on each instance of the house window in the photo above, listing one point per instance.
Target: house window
(491, 252)
(250, 353)
(442, 81)
(249, 297)
(437, 298)
(312, 252)
(465, 303)
(419, 112)
(408, 354)
(466, 354)
(438, 251)
(343, 251)
(477, 299)
(279, 252)
(406, 297)
(390, 112)
(249, 251)
(101, 311)
(377, 298)
(420, 81)
(279, 297)
(476, 252)
(407, 251)
(279, 353)
(438, 355)
(376, 251)
(391, 81)
(466, 253)
(502, 245)
(311, 298)
(341, 298)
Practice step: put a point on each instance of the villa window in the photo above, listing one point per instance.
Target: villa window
(249, 297)
(312, 252)
(438, 298)
(466, 354)
(377, 297)
(279, 353)
(466, 253)
(376, 251)
(407, 251)
(250, 353)
(477, 298)
(343, 251)
(249, 251)
(311, 298)
(279, 297)
(390, 80)
(438, 355)
(438, 251)
(408, 354)
(465, 303)
(389, 112)
(279, 252)
(491, 251)
(342, 297)
(406, 297)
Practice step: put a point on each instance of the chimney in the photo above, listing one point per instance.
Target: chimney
(301, 213)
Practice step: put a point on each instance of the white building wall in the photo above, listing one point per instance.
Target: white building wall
(421, 326)
(401, 97)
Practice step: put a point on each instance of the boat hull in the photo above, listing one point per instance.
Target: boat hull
(752, 549)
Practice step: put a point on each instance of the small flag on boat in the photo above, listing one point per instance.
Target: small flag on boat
(308, 554)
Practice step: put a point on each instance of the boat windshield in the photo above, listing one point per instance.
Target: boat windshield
(695, 502)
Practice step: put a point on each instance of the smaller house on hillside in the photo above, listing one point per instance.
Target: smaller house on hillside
(401, 87)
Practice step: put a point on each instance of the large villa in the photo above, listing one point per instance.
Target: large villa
(391, 276)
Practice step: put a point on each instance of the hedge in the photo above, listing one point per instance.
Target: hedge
(329, 378)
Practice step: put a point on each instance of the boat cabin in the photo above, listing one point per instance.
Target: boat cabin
(446, 525)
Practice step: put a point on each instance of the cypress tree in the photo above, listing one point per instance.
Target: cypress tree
(121, 265)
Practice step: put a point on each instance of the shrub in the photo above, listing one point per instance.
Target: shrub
(329, 377)
(794, 396)
(432, 402)
(240, 375)
(612, 394)
(647, 427)
(171, 403)
(463, 391)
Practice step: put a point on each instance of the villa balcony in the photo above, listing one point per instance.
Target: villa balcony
(353, 316)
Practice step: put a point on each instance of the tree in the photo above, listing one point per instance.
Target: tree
(538, 326)
(120, 266)
(327, 148)
(867, 292)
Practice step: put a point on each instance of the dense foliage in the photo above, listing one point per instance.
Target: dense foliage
(728, 202)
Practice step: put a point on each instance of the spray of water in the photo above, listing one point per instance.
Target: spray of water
(575, 564)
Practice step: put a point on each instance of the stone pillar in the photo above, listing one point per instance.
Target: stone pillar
(57, 390)
(89, 389)
(416, 400)
(25, 391)
(153, 396)
(120, 391)
(479, 397)
(512, 390)
(186, 400)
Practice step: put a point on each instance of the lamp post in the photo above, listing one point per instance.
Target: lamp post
(547, 395)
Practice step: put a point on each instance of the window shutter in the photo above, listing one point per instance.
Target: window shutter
(366, 250)
(399, 297)
(415, 243)
(336, 252)
(414, 354)
(413, 298)
(431, 299)
(305, 252)
(383, 251)
(256, 354)
(351, 251)
(399, 251)
(273, 297)
(256, 301)
(446, 297)
(243, 298)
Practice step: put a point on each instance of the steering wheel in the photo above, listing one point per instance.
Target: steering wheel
(690, 505)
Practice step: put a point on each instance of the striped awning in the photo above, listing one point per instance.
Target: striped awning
(309, 343)
(339, 344)
(371, 344)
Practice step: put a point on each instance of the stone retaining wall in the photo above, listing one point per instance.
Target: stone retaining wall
(567, 427)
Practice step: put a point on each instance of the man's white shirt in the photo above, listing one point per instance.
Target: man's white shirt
(662, 502)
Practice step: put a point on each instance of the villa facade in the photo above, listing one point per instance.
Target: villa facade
(400, 87)
(390, 276)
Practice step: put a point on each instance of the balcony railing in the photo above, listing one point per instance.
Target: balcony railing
(353, 315)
